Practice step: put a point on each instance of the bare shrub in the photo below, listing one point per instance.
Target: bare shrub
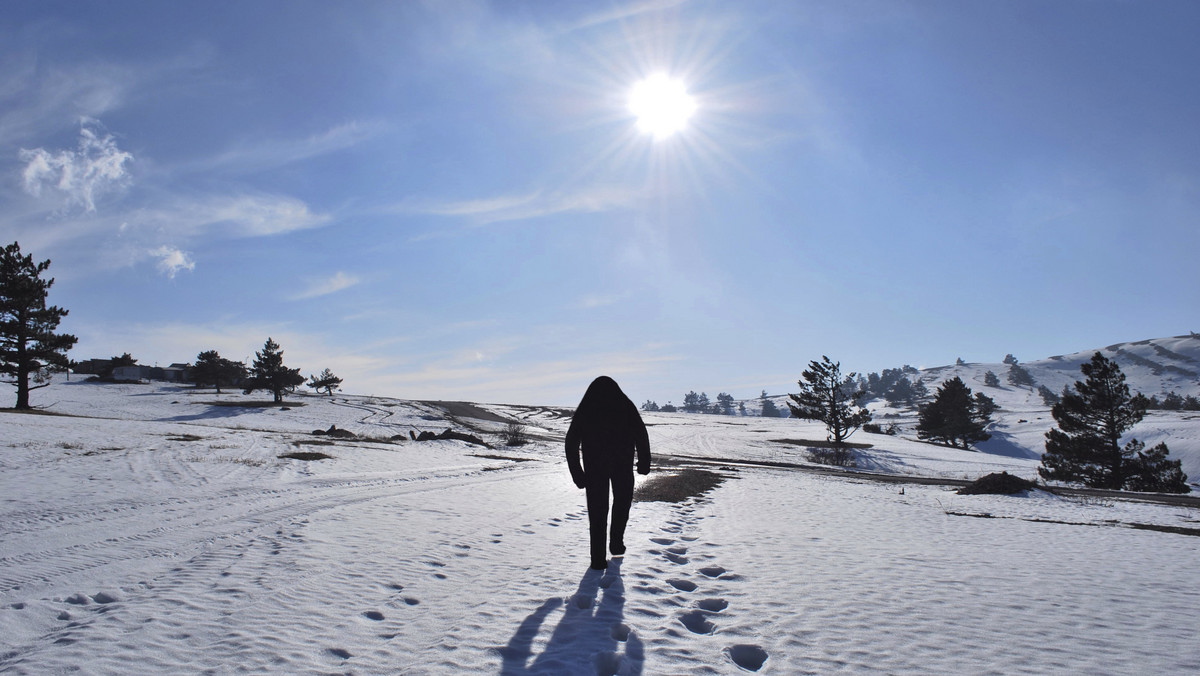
(515, 434)
(832, 455)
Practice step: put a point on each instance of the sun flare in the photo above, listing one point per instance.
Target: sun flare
(662, 105)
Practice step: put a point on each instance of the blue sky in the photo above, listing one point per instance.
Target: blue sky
(452, 200)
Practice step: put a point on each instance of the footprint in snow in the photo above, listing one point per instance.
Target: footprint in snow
(675, 558)
(340, 653)
(748, 657)
(662, 541)
(411, 601)
(683, 585)
(373, 615)
(697, 623)
(713, 571)
(713, 605)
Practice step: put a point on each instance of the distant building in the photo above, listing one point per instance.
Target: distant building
(92, 366)
(132, 373)
(175, 373)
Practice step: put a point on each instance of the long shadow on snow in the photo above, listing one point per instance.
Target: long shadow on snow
(586, 638)
(1001, 443)
(212, 413)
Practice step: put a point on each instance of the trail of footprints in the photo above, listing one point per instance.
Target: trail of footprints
(698, 618)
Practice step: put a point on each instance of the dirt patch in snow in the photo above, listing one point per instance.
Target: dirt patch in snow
(677, 486)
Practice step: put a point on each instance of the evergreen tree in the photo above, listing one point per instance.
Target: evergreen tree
(325, 381)
(1086, 446)
(960, 362)
(956, 416)
(691, 402)
(725, 403)
(213, 369)
(741, 408)
(28, 344)
(991, 379)
(769, 409)
(1048, 396)
(1010, 360)
(1019, 376)
(1172, 402)
(900, 392)
(649, 406)
(824, 397)
(269, 373)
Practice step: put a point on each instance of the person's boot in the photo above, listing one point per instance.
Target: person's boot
(600, 564)
(617, 547)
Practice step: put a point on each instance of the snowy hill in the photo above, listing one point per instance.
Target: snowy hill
(1152, 367)
(159, 529)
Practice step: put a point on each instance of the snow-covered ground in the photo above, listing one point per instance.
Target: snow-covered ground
(147, 530)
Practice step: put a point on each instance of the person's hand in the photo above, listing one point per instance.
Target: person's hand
(643, 469)
(579, 481)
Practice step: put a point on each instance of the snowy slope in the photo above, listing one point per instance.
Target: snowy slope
(163, 534)
(1151, 367)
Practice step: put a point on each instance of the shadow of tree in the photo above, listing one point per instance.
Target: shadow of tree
(588, 635)
(1002, 443)
(213, 412)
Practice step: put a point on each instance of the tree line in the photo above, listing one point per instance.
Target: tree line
(31, 350)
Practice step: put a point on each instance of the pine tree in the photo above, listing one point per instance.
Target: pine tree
(269, 373)
(769, 409)
(325, 381)
(28, 344)
(213, 369)
(823, 396)
(1086, 446)
(1020, 377)
(956, 416)
(1049, 398)
(991, 379)
(649, 406)
(725, 403)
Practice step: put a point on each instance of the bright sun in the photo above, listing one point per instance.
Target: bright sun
(662, 105)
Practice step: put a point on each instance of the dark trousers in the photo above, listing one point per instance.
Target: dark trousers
(597, 505)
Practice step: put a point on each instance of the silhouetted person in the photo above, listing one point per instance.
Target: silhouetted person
(610, 430)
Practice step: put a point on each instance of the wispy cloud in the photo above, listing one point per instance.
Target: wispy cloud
(269, 154)
(532, 205)
(592, 301)
(324, 287)
(172, 260)
(81, 175)
(626, 11)
(252, 215)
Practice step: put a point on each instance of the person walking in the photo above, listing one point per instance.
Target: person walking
(609, 430)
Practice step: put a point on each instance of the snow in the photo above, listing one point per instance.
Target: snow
(146, 530)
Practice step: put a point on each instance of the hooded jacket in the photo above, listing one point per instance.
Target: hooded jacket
(609, 430)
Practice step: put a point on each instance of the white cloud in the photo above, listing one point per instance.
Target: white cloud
(324, 287)
(593, 301)
(274, 153)
(533, 205)
(258, 215)
(172, 260)
(80, 175)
